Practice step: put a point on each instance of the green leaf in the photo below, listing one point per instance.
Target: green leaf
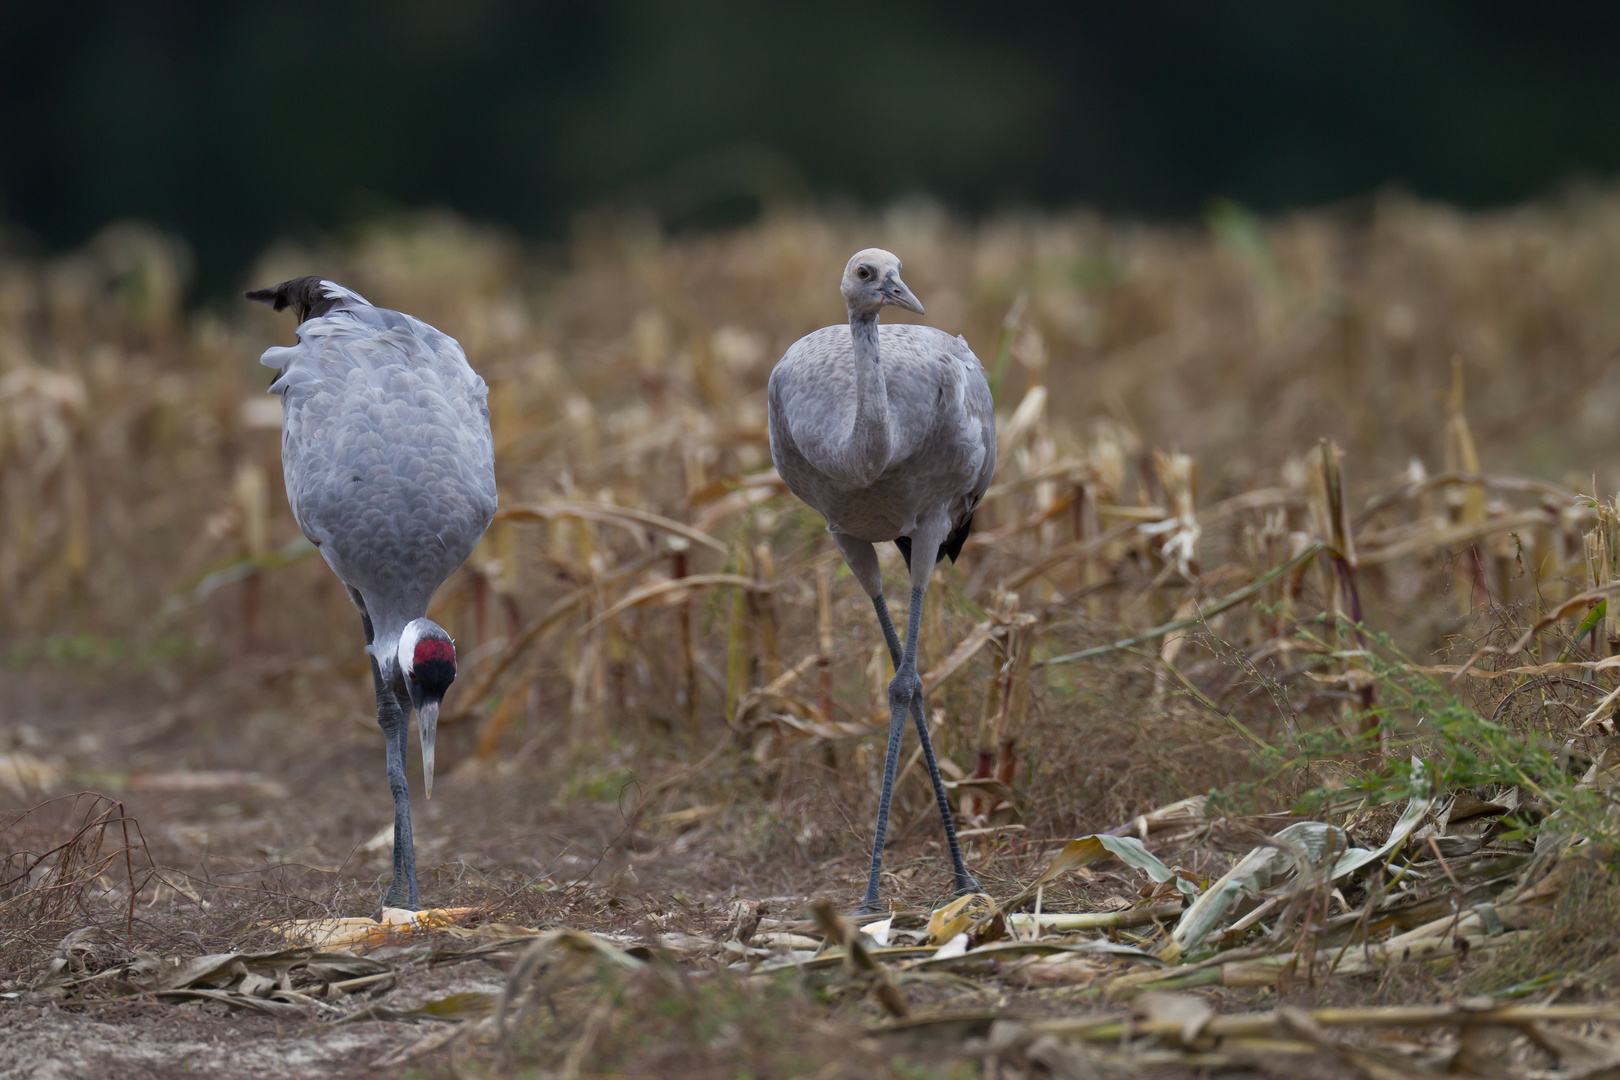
(1593, 617)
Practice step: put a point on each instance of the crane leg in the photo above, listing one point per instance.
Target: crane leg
(905, 696)
(965, 882)
(391, 718)
(897, 728)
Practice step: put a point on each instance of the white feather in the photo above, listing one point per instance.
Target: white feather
(338, 292)
(413, 633)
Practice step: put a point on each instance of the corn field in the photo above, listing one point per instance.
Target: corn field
(1252, 476)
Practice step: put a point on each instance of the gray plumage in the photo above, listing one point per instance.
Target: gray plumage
(387, 455)
(390, 472)
(940, 429)
(890, 432)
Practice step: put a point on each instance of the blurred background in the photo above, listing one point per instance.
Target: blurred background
(233, 125)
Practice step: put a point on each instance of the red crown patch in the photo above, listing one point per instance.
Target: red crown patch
(433, 649)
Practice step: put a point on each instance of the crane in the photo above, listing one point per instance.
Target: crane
(890, 432)
(390, 472)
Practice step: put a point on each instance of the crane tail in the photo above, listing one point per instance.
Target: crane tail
(310, 296)
(951, 548)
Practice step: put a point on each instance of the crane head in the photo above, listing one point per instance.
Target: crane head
(427, 663)
(872, 279)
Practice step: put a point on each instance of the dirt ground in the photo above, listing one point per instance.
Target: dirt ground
(295, 823)
(298, 824)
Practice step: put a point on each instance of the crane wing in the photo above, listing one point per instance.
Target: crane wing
(386, 449)
(979, 410)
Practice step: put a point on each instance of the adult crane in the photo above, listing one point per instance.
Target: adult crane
(890, 432)
(390, 472)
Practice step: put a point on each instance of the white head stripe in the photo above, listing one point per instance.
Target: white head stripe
(414, 631)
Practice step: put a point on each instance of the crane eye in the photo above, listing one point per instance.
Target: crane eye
(414, 678)
(863, 273)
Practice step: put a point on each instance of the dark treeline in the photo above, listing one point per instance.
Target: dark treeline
(233, 123)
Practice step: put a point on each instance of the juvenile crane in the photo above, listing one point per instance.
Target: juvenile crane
(890, 432)
(390, 471)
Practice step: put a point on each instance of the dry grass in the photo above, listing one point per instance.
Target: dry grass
(1183, 413)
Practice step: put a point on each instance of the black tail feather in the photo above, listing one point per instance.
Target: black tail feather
(307, 295)
(952, 547)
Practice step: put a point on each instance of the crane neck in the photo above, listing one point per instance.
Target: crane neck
(869, 440)
(385, 650)
(388, 626)
(863, 330)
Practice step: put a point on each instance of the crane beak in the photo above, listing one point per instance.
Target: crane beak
(895, 292)
(427, 725)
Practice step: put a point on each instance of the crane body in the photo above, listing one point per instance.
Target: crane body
(390, 473)
(889, 432)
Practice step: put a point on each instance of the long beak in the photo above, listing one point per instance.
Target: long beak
(427, 725)
(895, 292)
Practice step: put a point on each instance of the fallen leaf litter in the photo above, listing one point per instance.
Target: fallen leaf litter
(1127, 975)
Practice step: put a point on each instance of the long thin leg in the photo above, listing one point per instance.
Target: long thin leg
(905, 695)
(965, 882)
(391, 718)
(889, 636)
(897, 728)
(393, 721)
